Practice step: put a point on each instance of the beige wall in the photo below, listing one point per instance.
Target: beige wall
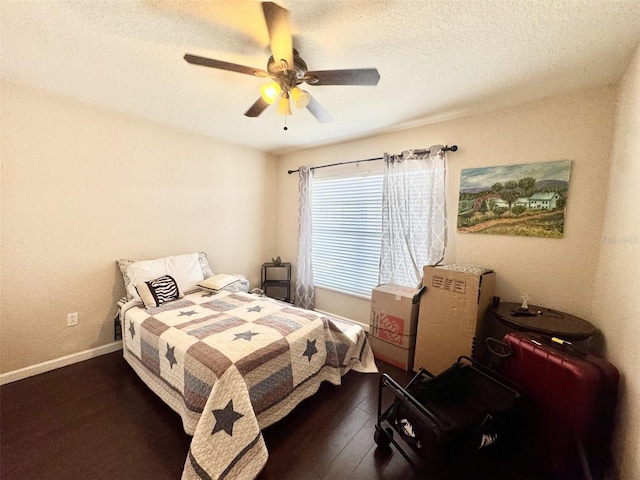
(558, 273)
(82, 187)
(616, 307)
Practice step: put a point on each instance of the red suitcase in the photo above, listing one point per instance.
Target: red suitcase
(569, 399)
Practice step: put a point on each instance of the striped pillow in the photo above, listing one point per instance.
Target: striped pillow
(156, 292)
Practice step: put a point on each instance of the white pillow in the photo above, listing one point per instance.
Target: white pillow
(218, 282)
(185, 269)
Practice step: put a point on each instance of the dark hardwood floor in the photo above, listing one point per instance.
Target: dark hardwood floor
(97, 420)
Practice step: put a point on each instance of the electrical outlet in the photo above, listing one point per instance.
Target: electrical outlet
(72, 319)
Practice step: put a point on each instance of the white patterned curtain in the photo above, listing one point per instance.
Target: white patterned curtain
(413, 215)
(304, 291)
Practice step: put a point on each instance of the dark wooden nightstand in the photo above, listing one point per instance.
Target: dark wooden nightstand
(276, 280)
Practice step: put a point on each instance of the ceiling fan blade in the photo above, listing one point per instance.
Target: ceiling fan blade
(233, 67)
(279, 27)
(257, 108)
(356, 76)
(317, 111)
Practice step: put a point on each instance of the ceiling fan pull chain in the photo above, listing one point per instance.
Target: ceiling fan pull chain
(285, 123)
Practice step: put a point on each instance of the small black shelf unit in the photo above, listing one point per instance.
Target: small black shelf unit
(276, 280)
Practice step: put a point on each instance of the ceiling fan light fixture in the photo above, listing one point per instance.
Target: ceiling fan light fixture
(270, 92)
(301, 98)
(284, 106)
(287, 70)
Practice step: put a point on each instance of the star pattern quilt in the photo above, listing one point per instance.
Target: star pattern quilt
(233, 363)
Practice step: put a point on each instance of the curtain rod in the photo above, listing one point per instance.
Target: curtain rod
(446, 148)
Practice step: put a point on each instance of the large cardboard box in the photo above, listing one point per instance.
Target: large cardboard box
(453, 305)
(393, 323)
(392, 354)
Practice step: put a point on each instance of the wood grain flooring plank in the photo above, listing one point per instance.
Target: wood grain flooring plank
(352, 454)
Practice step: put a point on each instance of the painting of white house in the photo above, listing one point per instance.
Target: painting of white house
(527, 199)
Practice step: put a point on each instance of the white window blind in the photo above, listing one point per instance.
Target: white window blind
(347, 228)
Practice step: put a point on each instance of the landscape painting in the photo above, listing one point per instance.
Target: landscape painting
(527, 200)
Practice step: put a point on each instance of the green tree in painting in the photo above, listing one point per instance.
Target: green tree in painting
(497, 187)
(510, 193)
(562, 201)
(518, 210)
(527, 185)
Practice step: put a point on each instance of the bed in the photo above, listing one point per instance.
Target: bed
(231, 363)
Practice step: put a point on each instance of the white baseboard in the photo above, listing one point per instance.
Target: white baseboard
(365, 326)
(49, 365)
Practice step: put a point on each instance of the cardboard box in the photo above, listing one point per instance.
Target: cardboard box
(393, 323)
(456, 299)
(392, 354)
(394, 314)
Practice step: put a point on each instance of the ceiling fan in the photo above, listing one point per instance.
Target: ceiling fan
(288, 70)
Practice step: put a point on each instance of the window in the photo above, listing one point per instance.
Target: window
(347, 227)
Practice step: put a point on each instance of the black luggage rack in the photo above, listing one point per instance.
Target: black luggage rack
(449, 417)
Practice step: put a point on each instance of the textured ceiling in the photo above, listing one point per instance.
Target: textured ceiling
(438, 59)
